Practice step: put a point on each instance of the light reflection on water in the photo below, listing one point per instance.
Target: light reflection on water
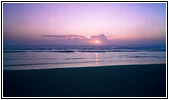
(97, 58)
(46, 60)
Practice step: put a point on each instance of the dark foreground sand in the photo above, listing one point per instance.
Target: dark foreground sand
(111, 81)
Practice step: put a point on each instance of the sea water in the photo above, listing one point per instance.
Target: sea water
(47, 57)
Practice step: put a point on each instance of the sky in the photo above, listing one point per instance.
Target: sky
(122, 22)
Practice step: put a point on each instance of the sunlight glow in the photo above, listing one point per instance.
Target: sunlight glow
(88, 37)
(97, 42)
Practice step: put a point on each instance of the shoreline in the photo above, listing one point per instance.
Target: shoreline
(147, 80)
(83, 67)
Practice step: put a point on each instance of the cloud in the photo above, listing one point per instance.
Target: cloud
(76, 39)
(65, 36)
(100, 37)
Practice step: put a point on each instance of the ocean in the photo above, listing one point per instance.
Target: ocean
(62, 56)
(84, 71)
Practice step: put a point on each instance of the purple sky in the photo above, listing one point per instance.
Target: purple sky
(26, 22)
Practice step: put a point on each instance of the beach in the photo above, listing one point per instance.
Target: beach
(147, 80)
(90, 49)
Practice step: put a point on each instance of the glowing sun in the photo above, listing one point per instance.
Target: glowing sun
(88, 37)
(97, 42)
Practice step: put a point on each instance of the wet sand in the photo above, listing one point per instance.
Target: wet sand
(107, 81)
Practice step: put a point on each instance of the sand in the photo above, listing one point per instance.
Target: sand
(108, 81)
